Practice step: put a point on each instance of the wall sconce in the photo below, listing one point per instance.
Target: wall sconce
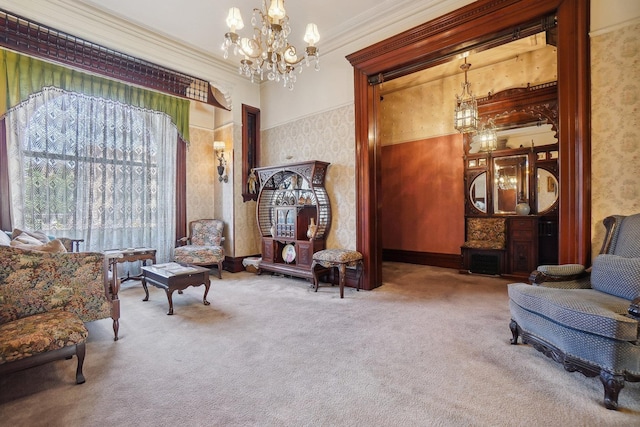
(218, 147)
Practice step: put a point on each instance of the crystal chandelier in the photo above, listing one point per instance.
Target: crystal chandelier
(506, 181)
(466, 111)
(268, 52)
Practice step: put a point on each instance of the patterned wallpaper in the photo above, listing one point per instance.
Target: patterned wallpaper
(201, 174)
(615, 138)
(327, 136)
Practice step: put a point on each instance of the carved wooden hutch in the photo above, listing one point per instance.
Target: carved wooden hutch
(523, 168)
(292, 197)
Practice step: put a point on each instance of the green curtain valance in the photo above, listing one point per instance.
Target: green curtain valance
(21, 76)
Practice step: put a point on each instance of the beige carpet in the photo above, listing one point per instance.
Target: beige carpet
(429, 348)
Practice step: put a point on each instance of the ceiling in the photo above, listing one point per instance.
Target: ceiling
(202, 26)
(201, 23)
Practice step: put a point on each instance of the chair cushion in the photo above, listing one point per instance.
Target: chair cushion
(40, 333)
(203, 255)
(486, 233)
(561, 270)
(616, 275)
(341, 256)
(586, 310)
(5, 239)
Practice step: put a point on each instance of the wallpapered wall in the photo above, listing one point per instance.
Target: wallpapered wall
(327, 136)
(201, 173)
(246, 234)
(615, 139)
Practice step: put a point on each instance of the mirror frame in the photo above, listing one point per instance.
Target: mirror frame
(518, 106)
(512, 107)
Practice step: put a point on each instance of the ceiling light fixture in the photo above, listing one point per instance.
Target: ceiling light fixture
(488, 137)
(268, 52)
(466, 112)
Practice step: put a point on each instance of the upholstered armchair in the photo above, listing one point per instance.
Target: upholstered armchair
(203, 246)
(587, 319)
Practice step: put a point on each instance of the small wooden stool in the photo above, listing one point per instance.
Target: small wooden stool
(340, 258)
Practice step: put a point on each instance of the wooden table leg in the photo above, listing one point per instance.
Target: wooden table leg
(146, 290)
(206, 291)
(342, 272)
(170, 298)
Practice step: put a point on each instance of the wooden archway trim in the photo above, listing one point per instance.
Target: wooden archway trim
(455, 32)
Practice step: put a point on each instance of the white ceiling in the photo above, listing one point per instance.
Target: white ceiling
(201, 23)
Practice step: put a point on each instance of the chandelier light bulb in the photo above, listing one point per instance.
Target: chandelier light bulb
(311, 35)
(267, 51)
(234, 20)
(276, 10)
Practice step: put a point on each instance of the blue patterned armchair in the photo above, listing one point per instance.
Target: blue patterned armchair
(587, 319)
(203, 246)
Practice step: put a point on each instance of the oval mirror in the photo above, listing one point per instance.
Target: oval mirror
(547, 191)
(478, 192)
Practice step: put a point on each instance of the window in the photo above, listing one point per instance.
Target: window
(91, 168)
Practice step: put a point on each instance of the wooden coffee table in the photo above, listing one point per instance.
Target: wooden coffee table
(175, 276)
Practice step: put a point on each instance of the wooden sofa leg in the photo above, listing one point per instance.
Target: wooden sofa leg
(514, 331)
(220, 270)
(612, 385)
(80, 351)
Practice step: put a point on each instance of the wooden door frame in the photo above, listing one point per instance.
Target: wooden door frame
(455, 32)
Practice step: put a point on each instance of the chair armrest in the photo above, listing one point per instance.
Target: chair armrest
(570, 273)
(71, 245)
(634, 308)
(182, 241)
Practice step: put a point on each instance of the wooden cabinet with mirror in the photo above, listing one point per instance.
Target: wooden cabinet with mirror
(291, 199)
(521, 169)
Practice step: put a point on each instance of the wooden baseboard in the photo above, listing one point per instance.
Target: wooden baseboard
(423, 258)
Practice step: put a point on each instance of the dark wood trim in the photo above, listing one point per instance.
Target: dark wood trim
(423, 258)
(250, 148)
(455, 32)
(181, 189)
(5, 200)
(26, 36)
(368, 183)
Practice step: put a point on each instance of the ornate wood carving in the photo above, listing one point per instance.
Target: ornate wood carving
(612, 383)
(454, 32)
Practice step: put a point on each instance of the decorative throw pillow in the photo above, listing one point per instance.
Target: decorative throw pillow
(38, 235)
(616, 275)
(54, 246)
(26, 239)
(5, 240)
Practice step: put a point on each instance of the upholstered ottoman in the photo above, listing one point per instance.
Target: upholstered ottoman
(340, 259)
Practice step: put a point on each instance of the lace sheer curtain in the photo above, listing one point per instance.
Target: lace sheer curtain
(87, 167)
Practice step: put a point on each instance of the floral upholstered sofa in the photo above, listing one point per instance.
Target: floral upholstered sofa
(45, 298)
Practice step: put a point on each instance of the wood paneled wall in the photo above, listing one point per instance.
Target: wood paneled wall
(423, 195)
